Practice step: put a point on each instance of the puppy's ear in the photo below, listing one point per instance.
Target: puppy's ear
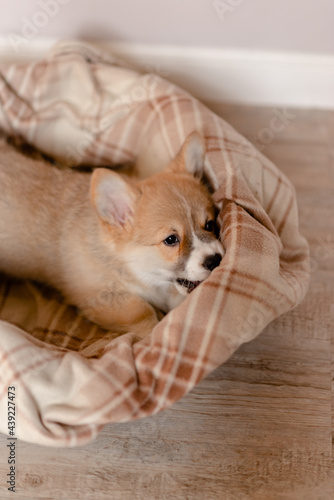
(112, 197)
(191, 156)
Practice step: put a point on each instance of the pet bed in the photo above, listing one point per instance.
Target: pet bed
(81, 106)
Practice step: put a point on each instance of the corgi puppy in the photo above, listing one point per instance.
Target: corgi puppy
(120, 249)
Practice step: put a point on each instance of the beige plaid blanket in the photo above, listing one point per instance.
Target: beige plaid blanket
(80, 105)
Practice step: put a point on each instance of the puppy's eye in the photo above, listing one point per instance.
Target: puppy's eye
(210, 226)
(171, 240)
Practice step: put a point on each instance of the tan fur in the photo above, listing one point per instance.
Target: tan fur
(100, 238)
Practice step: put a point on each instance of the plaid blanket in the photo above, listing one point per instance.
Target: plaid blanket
(81, 106)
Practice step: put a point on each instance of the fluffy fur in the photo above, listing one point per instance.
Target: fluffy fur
(118, 248)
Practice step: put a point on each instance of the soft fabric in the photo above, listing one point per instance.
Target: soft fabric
(82, 107)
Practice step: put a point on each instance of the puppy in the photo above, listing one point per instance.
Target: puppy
(118, 248)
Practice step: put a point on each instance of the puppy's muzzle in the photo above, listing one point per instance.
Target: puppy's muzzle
(212, 261)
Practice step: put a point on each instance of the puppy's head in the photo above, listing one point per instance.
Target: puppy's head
(164, 226)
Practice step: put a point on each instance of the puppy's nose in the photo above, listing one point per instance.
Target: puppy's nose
(212, 261)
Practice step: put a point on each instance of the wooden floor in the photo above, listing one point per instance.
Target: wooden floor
(260, 426)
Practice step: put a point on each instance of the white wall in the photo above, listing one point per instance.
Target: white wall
(260, 52)
(279, 25)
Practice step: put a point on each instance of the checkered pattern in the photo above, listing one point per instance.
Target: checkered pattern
(82, 106)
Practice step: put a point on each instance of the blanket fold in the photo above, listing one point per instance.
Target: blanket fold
(82, 106)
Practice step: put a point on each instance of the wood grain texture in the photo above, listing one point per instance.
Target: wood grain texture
(260, 426)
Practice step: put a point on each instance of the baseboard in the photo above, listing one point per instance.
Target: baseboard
(212, 74)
